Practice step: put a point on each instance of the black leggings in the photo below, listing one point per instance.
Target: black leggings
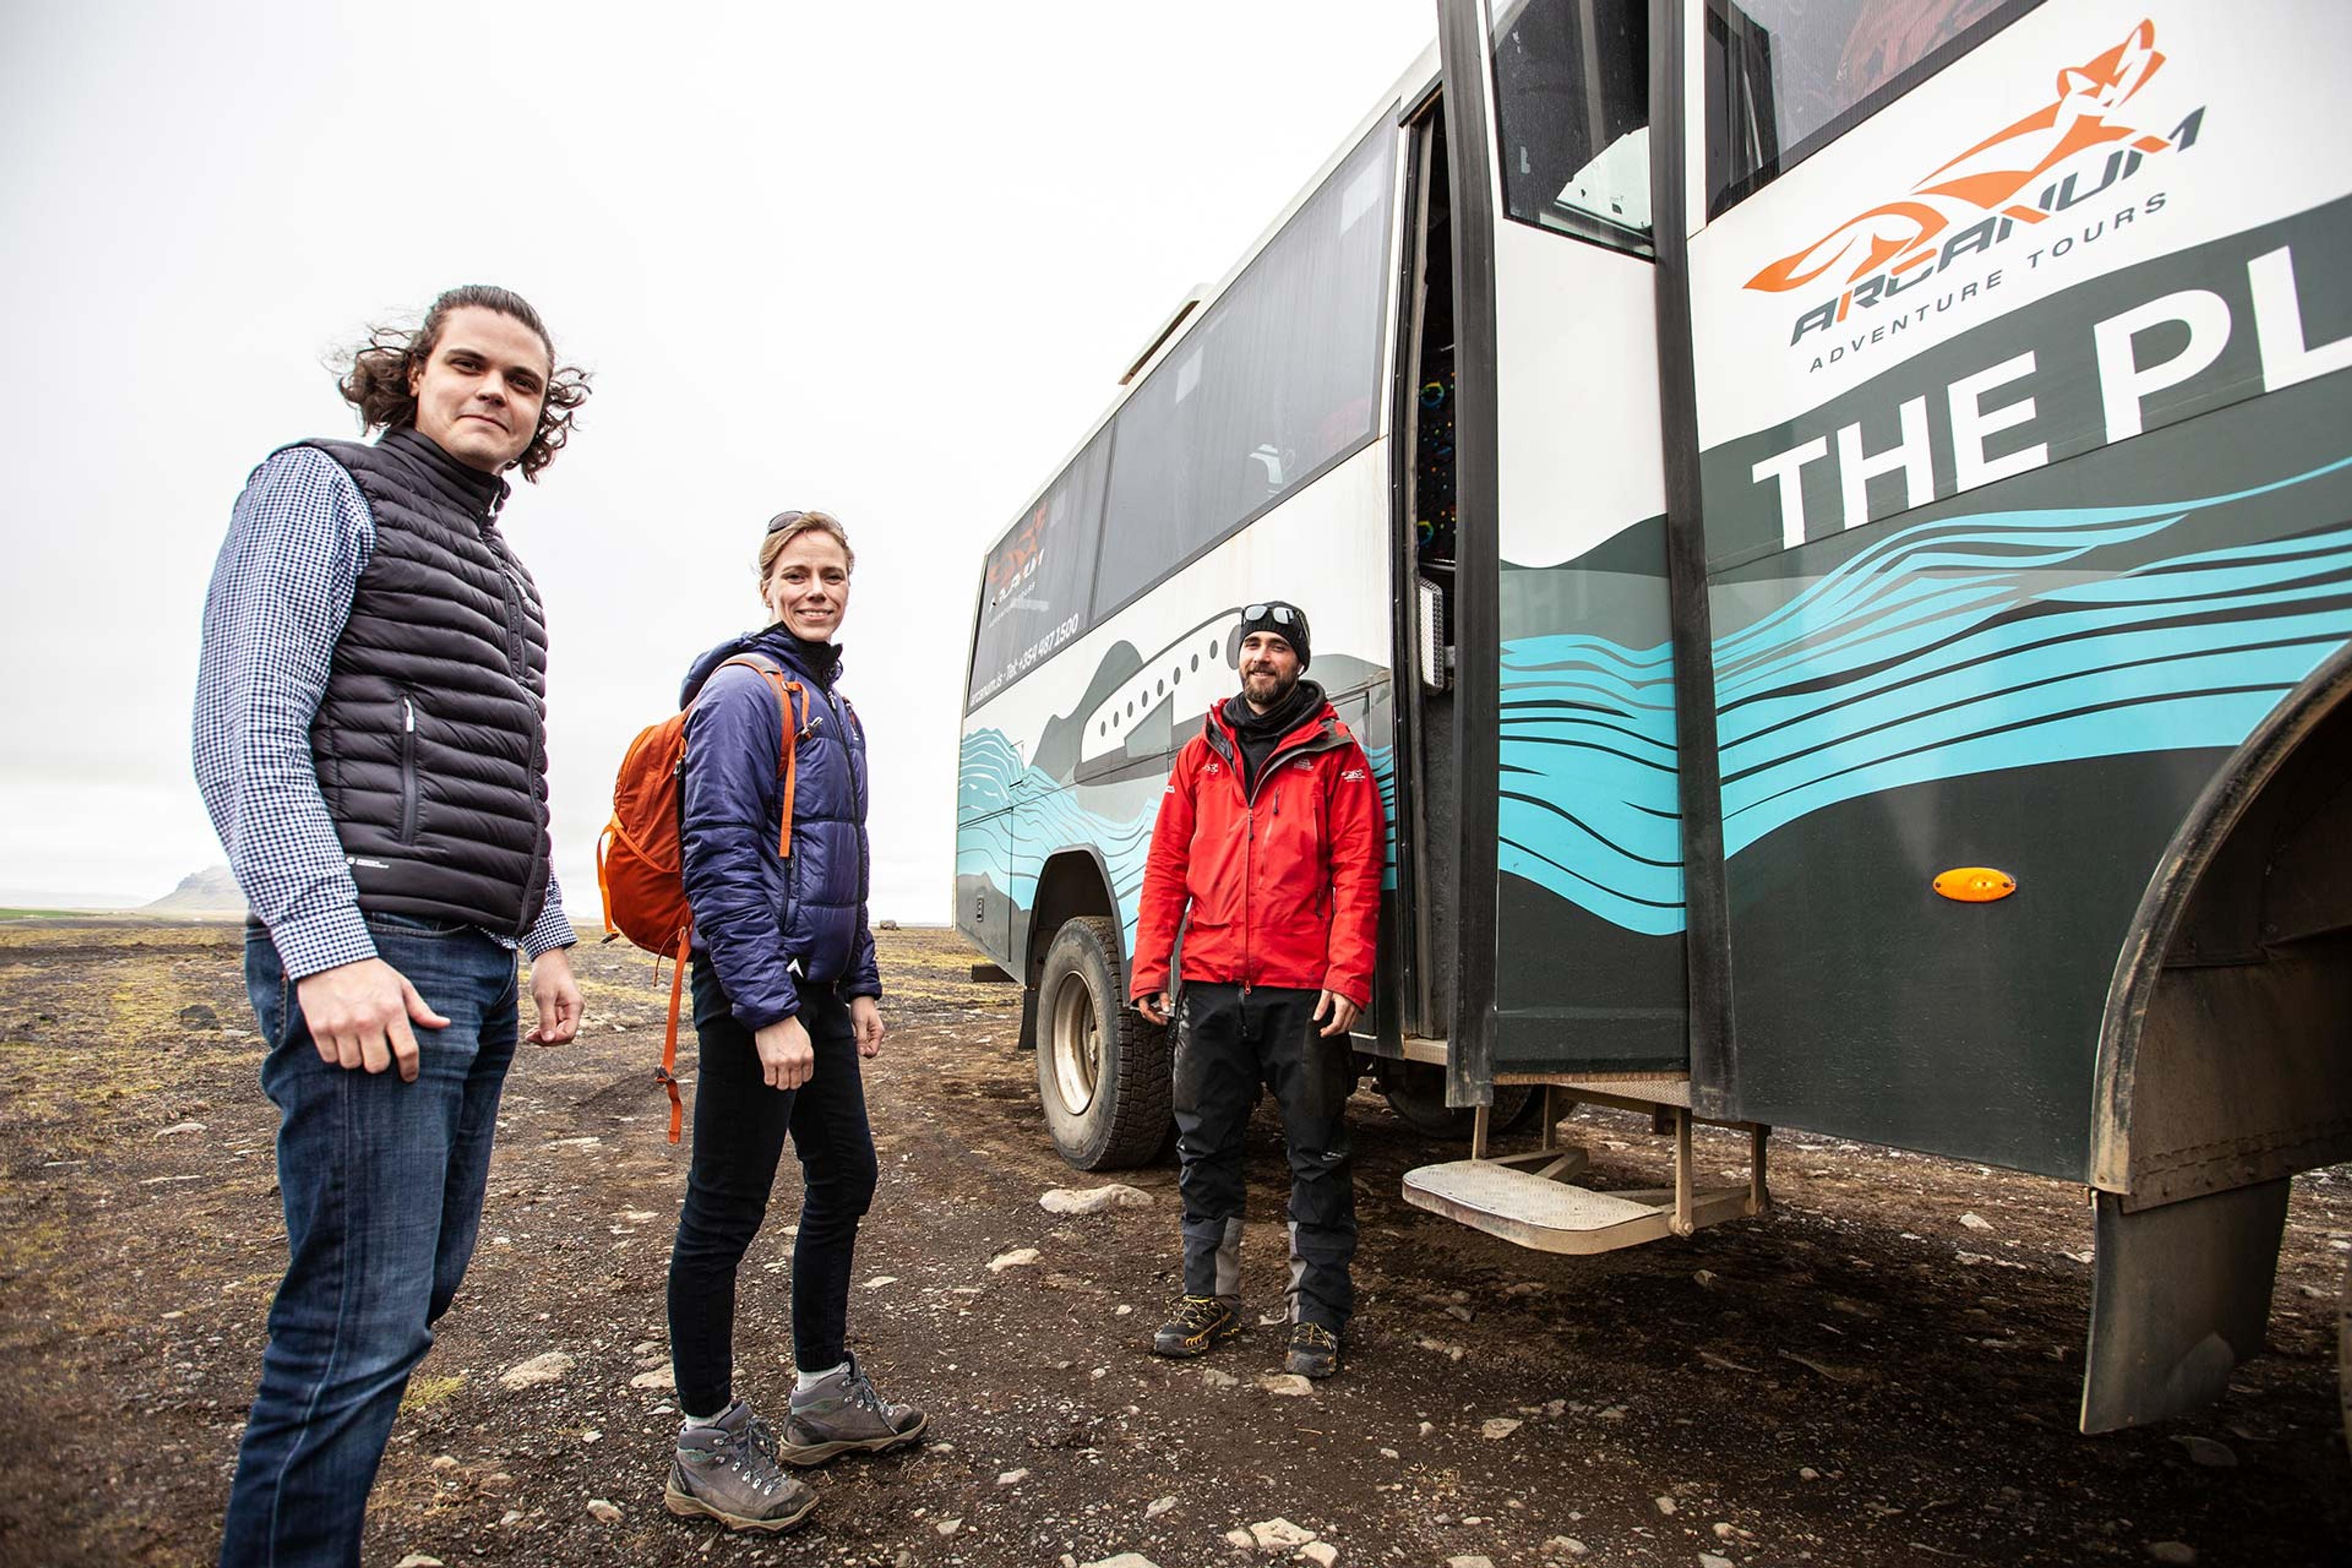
(739, 1125)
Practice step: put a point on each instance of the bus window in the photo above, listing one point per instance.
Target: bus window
(1279, 380)
(1785, 77)
(1034, 596)
(1572, 97)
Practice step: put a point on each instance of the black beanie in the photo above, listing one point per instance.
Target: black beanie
(1284, 619)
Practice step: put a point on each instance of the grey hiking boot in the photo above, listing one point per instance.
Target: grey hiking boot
(1314, 1351)
(727, 1471)
(843, 1413)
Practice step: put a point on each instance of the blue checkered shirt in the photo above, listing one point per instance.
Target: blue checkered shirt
(281, 591)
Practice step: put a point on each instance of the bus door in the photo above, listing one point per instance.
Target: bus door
(1549, 568)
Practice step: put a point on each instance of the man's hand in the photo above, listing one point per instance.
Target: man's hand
(1155, 1009)
(786, 1058)
(865, 1017)
(1343, 1013)
(359, 1014)
(556, 995)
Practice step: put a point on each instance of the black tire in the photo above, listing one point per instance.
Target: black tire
(1416, 1092)
(1102, 1070)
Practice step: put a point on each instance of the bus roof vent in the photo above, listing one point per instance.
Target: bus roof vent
(1166, 330)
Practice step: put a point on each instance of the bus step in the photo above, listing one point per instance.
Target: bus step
(1530, 1199)
(1552, 1215)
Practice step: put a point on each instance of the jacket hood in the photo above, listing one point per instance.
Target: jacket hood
(816, 661)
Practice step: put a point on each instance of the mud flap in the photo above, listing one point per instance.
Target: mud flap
(2180, 1295)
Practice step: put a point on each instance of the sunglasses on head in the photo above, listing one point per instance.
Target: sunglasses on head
(1281, 615)
(784, 520)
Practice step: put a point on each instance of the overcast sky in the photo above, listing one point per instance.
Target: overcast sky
(887, 260)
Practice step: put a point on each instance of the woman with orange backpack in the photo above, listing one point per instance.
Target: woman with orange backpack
(786, 1002)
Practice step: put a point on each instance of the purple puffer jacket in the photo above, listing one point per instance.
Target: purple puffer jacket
(772, 924)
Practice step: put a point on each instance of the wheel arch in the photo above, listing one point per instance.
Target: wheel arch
(2224, 1061)
(2254, 891)
(1073, 880)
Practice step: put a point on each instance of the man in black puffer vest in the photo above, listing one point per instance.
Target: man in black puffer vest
(371, 740)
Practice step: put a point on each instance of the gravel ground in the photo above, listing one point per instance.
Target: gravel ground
(1884, 1371)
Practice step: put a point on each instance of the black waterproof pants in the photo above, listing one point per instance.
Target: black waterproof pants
(1228, 1044)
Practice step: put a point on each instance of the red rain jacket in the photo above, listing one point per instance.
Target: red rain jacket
(1285, 884)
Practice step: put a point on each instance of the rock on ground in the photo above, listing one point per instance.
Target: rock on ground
(1018, 1258)
(2206, 1451)
(547, 1367)
(1093, 1200)
(1278, 1534)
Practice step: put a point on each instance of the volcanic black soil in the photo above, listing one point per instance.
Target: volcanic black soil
(1884, 1371)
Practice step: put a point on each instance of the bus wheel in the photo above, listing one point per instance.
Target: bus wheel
(1416, 1092)
(1102, 1071)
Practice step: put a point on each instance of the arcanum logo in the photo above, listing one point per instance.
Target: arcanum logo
(1974, 202)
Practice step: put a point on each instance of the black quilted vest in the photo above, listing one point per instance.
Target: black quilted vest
(431, 742)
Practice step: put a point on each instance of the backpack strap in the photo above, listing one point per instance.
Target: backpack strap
(796, 728)
(667, 1076)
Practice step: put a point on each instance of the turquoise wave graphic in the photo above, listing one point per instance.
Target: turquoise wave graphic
(1964, 646)
(1010, 816)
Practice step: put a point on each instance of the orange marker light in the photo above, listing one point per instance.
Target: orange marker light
(1975, 884)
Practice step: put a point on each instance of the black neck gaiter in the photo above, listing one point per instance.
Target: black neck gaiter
(1259, 734)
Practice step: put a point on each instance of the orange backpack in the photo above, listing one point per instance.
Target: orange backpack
(639, 860)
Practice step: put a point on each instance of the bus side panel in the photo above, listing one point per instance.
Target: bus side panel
(1589, 972)
(2009, 550)
(1079, 747)
(983, 910)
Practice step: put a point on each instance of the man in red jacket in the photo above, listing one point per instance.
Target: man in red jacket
(1271, 830)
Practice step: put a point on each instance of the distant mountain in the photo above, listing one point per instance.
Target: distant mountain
(211, 891)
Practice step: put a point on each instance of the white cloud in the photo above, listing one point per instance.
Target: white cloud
(887, 260)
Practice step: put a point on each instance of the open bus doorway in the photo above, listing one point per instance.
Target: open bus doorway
(1427, 531)
(1427, 526)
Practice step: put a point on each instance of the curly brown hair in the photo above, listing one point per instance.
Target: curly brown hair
(377, 382)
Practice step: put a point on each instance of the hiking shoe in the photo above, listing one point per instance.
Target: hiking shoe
(1199, 1324)
(1314, 1351)
(841, 1412)
(727, 1471)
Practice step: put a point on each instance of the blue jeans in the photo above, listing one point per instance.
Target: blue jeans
(739, 1125)
(382, 1182)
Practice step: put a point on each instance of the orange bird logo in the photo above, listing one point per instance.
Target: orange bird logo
(1900, 234)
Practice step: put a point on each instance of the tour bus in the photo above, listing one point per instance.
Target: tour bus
(1833, 519)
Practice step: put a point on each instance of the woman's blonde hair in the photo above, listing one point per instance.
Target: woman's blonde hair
(787, 526)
